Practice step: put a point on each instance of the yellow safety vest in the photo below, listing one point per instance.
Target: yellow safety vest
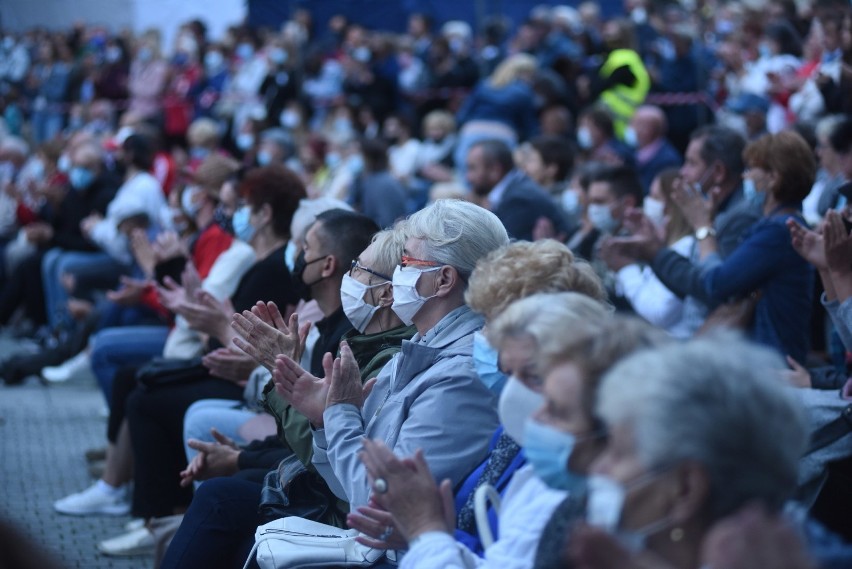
(622, 100)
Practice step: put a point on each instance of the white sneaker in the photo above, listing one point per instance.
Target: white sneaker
(136, 542)
(77, 367)
(135, 523)
(94, 500)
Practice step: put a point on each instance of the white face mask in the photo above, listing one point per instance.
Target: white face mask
(654, 210)
(517, 404)
(407, 302)
(571, 202)
(357, 310)
(601, 218)
(605, 508)
(630, 138)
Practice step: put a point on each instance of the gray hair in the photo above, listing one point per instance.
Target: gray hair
(308, 211)
(717, 400)
(388, 246)
(456, 233)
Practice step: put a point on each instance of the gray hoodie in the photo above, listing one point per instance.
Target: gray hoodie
(428, 396)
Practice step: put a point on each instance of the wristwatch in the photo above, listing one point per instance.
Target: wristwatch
(703, 233)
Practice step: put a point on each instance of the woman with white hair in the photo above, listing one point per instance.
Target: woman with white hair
(697, 433)
(578, 342)
(501, 107)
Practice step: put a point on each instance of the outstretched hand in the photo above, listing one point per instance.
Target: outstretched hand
(346, 386)
(306, 393)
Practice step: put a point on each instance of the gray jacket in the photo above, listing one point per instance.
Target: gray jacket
(841, 317)
(684, 278)
(428, 396)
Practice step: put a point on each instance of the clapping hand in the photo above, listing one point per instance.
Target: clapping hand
(306, 393)
(807, 243)
(346, 386)
(229, 365)
(407, 490)
(838, 243)
(214, 459)
(263, 334)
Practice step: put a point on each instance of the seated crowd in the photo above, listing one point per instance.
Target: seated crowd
(340, 279)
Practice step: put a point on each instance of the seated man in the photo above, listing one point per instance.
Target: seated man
(419, 397)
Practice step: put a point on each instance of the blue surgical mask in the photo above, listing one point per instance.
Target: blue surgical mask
(81, 178)
(549, 451)
(751, 193)
(485, 361)
(243, 229)
(264, 158)
(245, 51)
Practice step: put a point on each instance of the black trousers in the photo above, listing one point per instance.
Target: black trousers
(156, 431)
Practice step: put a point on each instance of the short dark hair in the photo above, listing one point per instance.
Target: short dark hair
(139, 149)
(601, 117)
(496, 152)
(722, 144)
(623, 181)
(277, 186)
(555, 150)
(345, 234)
(375, 154)
(841, 136)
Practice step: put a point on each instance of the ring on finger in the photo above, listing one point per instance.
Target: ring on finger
(380, 485)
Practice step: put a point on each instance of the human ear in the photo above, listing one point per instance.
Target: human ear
(689, 492)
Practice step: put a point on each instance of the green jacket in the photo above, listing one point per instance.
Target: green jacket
(371, 351)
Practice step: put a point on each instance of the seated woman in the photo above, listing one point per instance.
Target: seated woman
(649, 297)
(781, 171)
(506, 275)
(562, 437)
(677, 463)
(155, 416)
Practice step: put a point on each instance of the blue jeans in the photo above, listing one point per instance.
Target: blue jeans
(94, 267)
(113, 348)
(224, 414)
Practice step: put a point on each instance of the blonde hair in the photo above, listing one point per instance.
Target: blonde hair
(440, 119)
(521, 269)
(512, 68)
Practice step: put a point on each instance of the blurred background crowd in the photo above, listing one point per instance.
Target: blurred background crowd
(688, 163)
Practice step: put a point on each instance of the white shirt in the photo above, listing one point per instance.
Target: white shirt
(527, 507)
(142, 189)
(403, 159)
(651, 299)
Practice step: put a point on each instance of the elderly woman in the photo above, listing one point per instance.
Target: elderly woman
(781, 171)
(511, 273)
(576, 350)
(514, 272)
(676, 461)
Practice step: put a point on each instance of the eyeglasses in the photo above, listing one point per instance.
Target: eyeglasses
(356, 265)
(412, 262)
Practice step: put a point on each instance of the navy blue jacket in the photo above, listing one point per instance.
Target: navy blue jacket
(523, 203)
(511, 105)
(766, 261)
(666, 157)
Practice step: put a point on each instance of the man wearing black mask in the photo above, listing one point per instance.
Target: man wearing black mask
(331, 243)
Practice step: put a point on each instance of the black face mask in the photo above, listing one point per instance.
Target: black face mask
(301, 288)
(223, 220)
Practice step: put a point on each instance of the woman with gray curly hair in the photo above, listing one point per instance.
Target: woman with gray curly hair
(699, 433)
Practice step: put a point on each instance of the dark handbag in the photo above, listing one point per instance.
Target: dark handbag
(161, 372)
(294, 490)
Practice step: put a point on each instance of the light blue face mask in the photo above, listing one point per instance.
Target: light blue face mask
(485, 361)
(549, 451)
(751, 193)
(243, 229)
(81, 178)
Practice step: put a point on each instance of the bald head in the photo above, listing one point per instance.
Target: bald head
(650, 125)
